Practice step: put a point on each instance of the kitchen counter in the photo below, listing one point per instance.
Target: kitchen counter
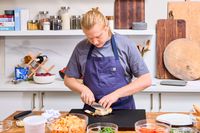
(58, 86)
(16, 129)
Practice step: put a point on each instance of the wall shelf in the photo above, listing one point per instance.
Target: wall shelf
(73, 33)
(58, 86)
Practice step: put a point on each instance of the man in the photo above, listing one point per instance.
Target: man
(108, 63)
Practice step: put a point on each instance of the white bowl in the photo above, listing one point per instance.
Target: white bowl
(44, 79)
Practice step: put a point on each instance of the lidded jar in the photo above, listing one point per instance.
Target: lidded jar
(65, 17)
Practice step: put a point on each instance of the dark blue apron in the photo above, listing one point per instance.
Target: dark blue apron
(104, 75)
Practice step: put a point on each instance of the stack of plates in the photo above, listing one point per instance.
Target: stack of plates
(175, 119)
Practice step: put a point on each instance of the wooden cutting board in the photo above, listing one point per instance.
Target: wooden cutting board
(128, 11)
(125, 119)
(167, 30)
(190, 12)
(182, 59)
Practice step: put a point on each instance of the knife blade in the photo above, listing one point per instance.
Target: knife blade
(97, 106)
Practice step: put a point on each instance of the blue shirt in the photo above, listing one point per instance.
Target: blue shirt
(130, 58)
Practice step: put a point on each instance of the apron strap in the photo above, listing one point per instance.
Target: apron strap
(114, 47)
(90, 51)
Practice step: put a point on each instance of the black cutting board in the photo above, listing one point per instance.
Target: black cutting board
(125, 119)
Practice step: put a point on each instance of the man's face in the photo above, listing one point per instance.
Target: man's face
(97, 35)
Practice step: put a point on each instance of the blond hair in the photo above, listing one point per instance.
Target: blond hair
(92, 17)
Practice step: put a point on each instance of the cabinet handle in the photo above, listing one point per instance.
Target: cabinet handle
(33, 100)
(160, 102)
(151, 102)
(42, 100)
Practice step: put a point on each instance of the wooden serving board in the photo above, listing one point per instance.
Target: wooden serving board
(128, 11)
(190, 12)
(182, 59)
(167, 30)
(125, 119)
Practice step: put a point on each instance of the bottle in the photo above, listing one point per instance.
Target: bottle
(39, 59)
(65, 17)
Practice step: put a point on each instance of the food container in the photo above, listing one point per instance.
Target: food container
(151, 126)
(34, 124)
(102, 128)
(184, 130)
(70, 123)
(44, 78)
(5, 125)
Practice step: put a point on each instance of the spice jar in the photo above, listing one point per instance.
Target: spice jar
(42, 17)
(30, 25)
(78, 22)
(46, 25)
(73, 22)
(35, 25)
(55, 23)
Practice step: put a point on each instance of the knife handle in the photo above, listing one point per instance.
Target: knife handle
(21, 114)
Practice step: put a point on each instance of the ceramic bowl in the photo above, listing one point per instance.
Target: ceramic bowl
(70, 123)
(44, 79)
(102, 127)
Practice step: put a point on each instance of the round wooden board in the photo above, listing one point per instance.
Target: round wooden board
(182, 59)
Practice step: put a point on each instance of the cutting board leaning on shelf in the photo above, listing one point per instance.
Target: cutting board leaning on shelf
(128, 11)
(182, 59)
(167, 30)
(190, 12)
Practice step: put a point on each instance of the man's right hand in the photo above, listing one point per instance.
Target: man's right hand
(87, 96)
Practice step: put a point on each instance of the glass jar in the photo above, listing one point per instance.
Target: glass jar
(73, 22)
(56, 23)
(35, 25)
(46, 25)
(42, 17)
(78, 22)
(65, 17)
(30, 25)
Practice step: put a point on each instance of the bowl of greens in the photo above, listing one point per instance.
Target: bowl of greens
(102, 127)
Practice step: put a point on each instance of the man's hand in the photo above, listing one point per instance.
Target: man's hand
(87, 96)
(108, 100)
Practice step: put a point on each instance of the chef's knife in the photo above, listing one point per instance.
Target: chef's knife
(97, 106)
(21, 115)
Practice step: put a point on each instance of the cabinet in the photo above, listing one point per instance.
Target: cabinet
(63, 101)
(178, 102)
(12, 101)
(145, 101)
